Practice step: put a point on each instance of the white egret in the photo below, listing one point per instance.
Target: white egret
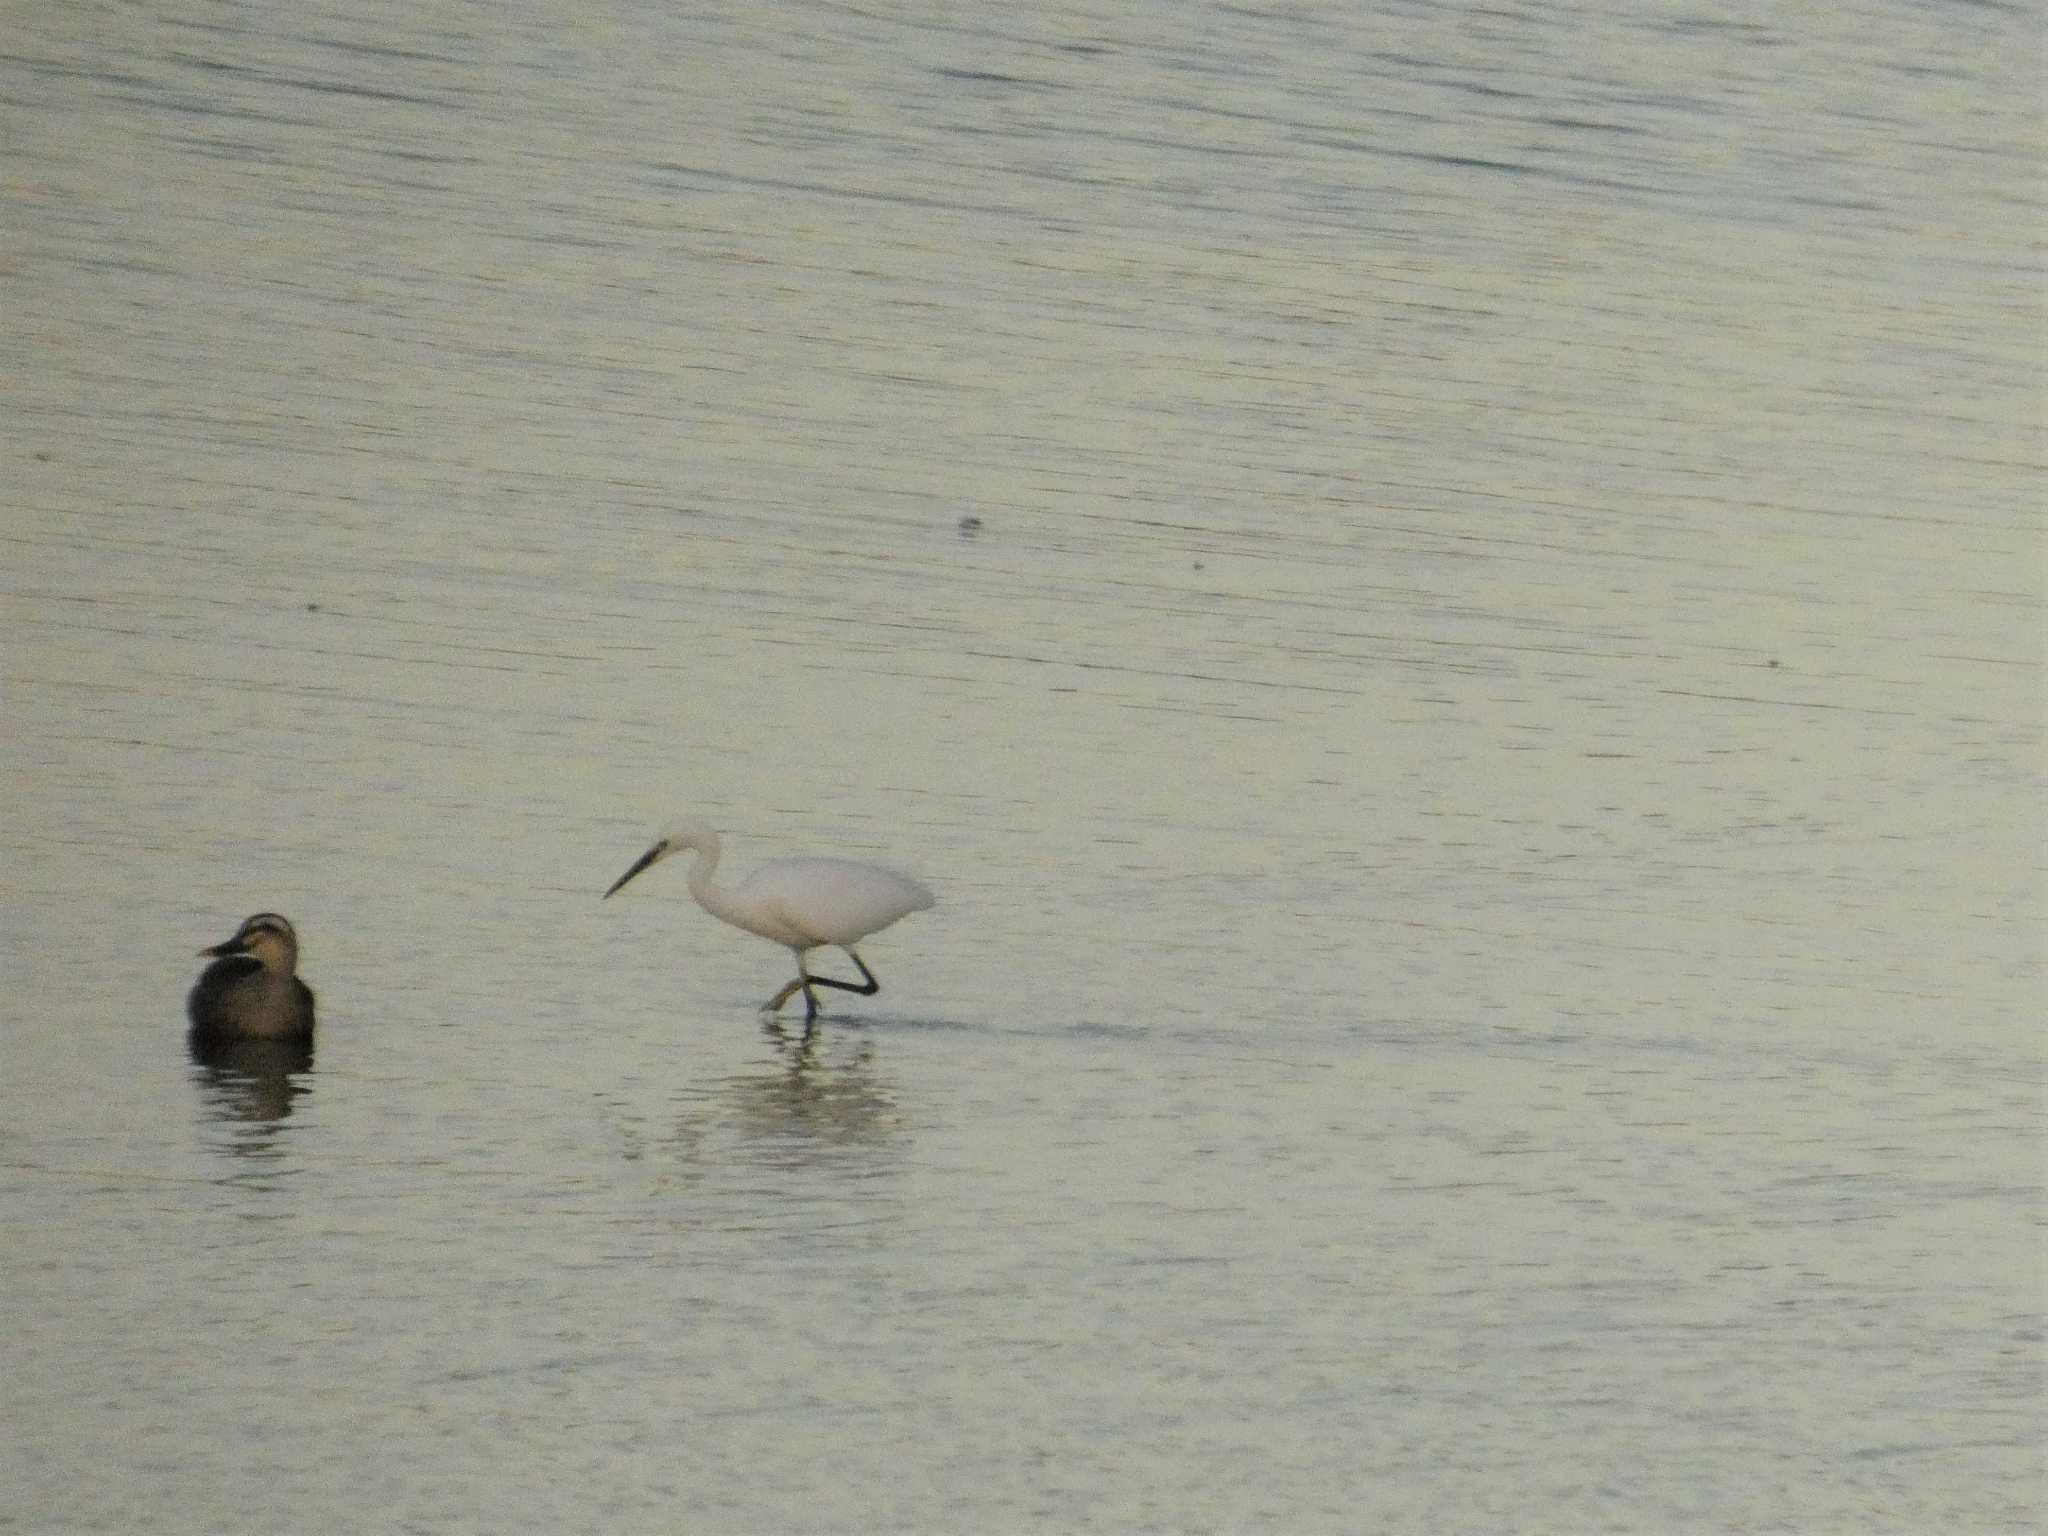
(252, 991)
(801, 904)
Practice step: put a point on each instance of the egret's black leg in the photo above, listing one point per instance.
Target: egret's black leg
(805, 981)
(803, 984)
(869, 990)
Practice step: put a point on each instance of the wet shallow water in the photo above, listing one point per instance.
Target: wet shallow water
(1480, 758)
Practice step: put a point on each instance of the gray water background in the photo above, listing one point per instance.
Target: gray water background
(1481, 760)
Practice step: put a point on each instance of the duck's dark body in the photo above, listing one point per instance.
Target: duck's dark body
(236, 999)
(251, 991)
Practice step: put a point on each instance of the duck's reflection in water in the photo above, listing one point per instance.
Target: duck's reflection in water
(252, 1081)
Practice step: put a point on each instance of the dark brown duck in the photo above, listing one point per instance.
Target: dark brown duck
(252, 990)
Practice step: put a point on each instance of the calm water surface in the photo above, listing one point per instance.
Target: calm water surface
(1481, 755)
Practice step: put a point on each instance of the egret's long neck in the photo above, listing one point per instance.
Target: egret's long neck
(711, 896)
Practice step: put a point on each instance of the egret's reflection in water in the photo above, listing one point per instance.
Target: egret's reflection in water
(819, 1101)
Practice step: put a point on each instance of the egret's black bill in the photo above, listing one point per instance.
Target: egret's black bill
(645, 859)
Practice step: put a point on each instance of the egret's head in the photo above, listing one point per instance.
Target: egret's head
(267, 937)
(680, 838)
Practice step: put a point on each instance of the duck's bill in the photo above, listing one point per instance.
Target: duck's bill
(644, 860)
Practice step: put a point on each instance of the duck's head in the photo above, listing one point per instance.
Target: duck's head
(267, 938)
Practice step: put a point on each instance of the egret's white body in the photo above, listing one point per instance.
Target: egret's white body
(801, 904)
